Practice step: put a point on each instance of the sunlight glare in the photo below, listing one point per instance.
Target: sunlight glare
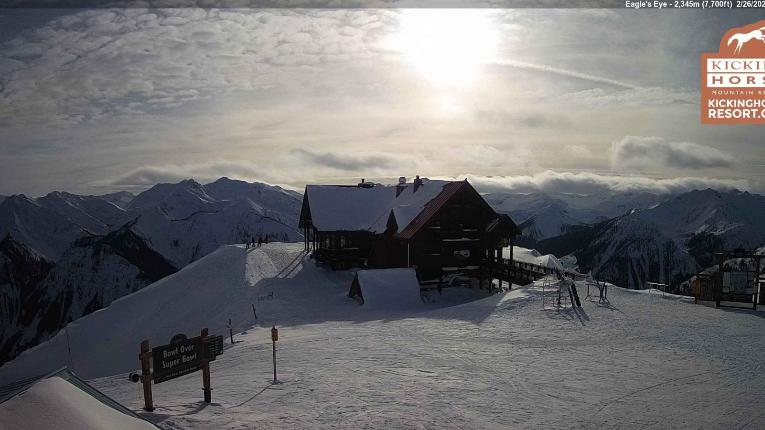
(447, 46)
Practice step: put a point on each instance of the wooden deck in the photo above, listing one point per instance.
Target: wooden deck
(522, 273)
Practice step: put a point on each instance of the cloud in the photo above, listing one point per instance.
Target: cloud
(354, 163)
(587, 183)
(143, 177)
(635, 97)
(89, 64)
(567, 73)
(535, 120)
(637, 152)
(549, 181)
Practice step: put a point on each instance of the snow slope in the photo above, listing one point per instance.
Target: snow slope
(104, 342)
(638, 361)
(182, 222)
(38, 298)
(94, 214)
(207, 293)
(121, 198)
(55, 403)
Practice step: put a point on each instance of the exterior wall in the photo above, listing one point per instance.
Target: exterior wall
(454, 238)
(342, 249)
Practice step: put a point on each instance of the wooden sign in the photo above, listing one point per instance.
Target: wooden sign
(180, 357)
(213, 347)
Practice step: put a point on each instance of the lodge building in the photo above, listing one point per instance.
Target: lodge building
(434, 226)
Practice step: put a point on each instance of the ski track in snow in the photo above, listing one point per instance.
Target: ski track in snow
(503, 361)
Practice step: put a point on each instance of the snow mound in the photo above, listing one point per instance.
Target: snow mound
(390, 289)
(55, 403)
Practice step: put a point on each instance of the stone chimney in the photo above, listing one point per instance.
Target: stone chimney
(417, 184)
(401, 185)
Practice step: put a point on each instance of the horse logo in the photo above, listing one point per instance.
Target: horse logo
(733, 78)
(742, 38)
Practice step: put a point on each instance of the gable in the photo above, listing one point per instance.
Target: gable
(452, 191)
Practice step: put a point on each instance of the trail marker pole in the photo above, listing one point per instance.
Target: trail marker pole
(231, 331)
(206, 373)
(274, 338)
(145, 357)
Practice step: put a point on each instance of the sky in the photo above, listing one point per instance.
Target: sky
(573, 100)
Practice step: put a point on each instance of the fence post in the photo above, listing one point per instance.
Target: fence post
(206, 372)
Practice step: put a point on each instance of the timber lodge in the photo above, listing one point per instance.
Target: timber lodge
(436, 227)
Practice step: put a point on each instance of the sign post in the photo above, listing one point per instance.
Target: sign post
(206, 372)
(274, 338)
(180, 357)
(145, 357)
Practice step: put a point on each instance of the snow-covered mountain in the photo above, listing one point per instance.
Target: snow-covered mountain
(627, 251)
(668, 241)
(538, 215)
(186, 221)
(736, 218)
(44, 230)
(88, 276)
(79, 253)
(21, 270)
(94, 214)
(120, 198)
(582, 208)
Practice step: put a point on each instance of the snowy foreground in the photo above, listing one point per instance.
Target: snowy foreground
(640, 361)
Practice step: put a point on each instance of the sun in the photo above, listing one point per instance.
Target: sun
(449, 47)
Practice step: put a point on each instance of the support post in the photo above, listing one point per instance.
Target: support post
(274, 338)
(145, 357)
(206, 372)
(230, 331)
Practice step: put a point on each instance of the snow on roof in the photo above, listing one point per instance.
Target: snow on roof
(56, 403)
(535, 257)
(390, 289)
(351, 208)
(347, 208)
(409, 204)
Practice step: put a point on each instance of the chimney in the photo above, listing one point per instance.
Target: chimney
(401, 185)
(417, 184)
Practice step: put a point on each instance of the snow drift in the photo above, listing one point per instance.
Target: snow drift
(390, 289)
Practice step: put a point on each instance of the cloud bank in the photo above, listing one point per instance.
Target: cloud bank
(586, 183)
(636, 152)
(549, 181)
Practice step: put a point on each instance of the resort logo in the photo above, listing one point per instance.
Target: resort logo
(733, 79)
